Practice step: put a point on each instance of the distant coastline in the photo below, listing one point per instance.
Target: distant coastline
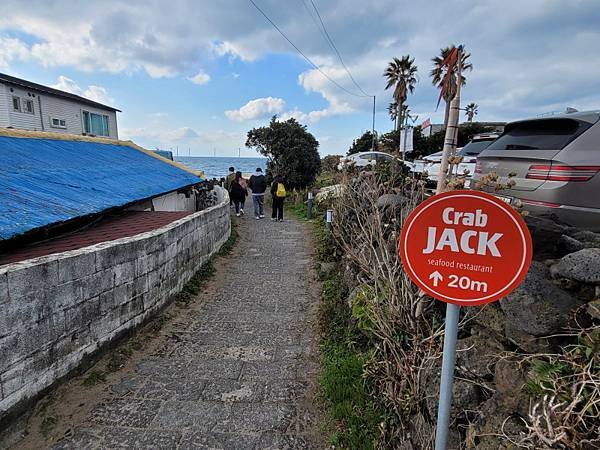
(217, 166)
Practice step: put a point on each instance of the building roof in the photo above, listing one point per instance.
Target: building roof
(48, 90)
(47, 180)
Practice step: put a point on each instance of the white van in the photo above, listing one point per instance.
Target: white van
(363, 159)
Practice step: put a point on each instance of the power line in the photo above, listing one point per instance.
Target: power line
(332, 44)
(314, 19)
(304, 56)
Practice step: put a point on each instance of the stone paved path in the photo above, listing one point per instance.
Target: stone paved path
(237, 374)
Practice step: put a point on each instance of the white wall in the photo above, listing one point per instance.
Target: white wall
(51, 106)
(58, 309)
(23, 120)
(3, 107)
(174, 202)
(70, 111)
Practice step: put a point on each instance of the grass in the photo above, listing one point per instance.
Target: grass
(94, 377)
(48, 425)
(354, 413)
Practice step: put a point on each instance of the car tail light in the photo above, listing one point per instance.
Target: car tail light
(539, 203)
(561, 172)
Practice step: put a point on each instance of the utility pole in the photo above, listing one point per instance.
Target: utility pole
(452, 311)
(373, 128)
(405, 133)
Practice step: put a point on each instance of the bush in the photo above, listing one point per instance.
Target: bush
(292, 151)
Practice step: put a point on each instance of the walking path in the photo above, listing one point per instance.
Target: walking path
(239, 371)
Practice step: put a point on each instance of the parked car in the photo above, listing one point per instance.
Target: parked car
(432, 163)
(363, 159)
(554, 162)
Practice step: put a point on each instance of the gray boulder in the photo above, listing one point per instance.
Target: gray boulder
(476, 355)
(593, 309)
(390, 200)
(545, 234)
(526, 341)
(537, 307)
(570, 244)
(589, 238)
(582, 266)
(326, 268)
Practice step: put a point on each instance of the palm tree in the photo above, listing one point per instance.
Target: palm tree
(471, 111)
(402, 75)
(392, 110)
(438, 72)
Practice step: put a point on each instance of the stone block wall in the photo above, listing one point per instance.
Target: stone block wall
(58, 309)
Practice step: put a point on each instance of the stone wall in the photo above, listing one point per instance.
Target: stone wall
(58, 309)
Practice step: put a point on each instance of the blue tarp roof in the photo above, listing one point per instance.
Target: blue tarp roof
(44, 181)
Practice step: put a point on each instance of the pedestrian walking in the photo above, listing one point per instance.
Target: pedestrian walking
(258, 186)
(238, 193)
(228, 180)
(278, 193)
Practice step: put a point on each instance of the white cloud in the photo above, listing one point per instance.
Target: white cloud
(223, 141)
(98, 94)
(67, 85)
(200, 78)
(95, 93)
(256, 109)
(544, 60)
(179, 134)
(12, 49)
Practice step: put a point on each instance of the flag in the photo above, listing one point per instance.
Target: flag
(426, 124)
(406, 144)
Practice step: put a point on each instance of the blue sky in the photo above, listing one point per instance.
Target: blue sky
(199, 75)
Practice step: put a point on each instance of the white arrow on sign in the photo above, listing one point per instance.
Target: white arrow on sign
(436, 277)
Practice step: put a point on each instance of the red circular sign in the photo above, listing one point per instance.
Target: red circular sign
(465, 247)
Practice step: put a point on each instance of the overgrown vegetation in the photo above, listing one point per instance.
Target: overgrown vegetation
(354, 412)
(565, 388)
(381, 340)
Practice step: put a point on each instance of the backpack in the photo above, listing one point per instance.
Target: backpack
(280, 190)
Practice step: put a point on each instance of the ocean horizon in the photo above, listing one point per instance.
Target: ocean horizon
(218, 166)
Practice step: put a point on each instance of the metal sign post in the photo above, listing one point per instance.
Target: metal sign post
(447, 377)
(466, 248)
(329, 218)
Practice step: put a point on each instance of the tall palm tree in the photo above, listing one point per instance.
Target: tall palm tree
(438, 72)
(392, 110)
(402, 75)
(471, 111)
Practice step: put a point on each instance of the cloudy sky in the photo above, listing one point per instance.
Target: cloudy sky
(198, 75)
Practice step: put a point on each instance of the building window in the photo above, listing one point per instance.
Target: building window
(28, 106)
(16, 104)
(55, 122)
(96, 124)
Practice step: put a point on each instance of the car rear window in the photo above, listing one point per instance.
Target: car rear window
(474, 148)
(544, 134)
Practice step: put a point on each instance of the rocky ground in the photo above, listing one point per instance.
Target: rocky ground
(236, 372)
(561, 293)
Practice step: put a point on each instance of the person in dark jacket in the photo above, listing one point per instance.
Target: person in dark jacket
(238, 192)
(278, 193)
(258, 185)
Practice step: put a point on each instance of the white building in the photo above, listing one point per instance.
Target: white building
(31, 106)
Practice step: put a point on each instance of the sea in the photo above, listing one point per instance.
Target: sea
(218, 166)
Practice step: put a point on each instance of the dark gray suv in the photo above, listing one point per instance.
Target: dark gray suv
(555, 163)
